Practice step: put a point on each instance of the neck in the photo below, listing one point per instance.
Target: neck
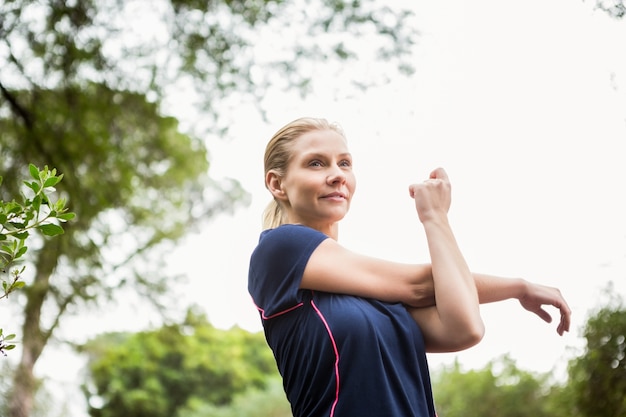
(330, 230)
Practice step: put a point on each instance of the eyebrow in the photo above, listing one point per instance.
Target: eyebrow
(322, 155)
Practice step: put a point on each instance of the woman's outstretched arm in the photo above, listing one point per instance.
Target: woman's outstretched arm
(532, 296)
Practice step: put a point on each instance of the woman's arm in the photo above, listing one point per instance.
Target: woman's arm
(531, 296)
(333, 268)
(454, 322)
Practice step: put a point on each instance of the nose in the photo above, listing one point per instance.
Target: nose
(336, 175)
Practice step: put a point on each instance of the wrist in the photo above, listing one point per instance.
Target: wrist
(521, 288)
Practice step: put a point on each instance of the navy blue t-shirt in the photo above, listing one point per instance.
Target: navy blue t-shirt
(339, 355)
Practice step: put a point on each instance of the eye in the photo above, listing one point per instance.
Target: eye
(315, 163)
(345, 163)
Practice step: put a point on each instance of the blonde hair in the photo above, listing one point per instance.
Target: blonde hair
(278, 154)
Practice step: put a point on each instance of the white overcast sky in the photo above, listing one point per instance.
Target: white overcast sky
(524, 104)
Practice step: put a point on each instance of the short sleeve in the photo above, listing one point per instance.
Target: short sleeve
(277, 265)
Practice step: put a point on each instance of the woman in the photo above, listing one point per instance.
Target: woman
(349, 332)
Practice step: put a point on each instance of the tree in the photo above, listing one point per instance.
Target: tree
(614, 8)
(499, 389)
(597, 378)
(87, 87)
(254, 402)
(158, 373)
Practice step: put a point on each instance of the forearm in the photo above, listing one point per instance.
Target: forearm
(492, 288)
(455, 290)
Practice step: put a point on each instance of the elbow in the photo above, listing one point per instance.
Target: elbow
(420, 296)
(470, 335)
(473, 334)
(476, 334)
(462, 339)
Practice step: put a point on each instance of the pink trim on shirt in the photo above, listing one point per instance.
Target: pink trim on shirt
(332, 339)
(264, 317)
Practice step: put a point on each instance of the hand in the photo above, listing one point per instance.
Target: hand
(536, 296)
(433, 196)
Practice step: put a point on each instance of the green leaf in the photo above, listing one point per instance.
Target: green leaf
(29, 216)
(51, 182)
(21, 236)
(9, 337)
(66, 216)
(50, 229)
(15, 226)
(32, 185)
(34, 171)
(9, 347)
(17, 285)
(14, 208)
(60, 204)
(21, 252)
(37, 202)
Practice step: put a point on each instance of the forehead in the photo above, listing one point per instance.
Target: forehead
(320, 141)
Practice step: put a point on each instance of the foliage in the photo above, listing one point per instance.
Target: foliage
(598, 376)
(614, 8)
(202, 50)
(254, 402)
(36, 212)
(499, 389)
(181, 366)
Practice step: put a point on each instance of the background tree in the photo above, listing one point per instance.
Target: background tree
(90, 88)
(499, 389)
(254, 402)
(615, 8)
(178, 367)
(597, 378)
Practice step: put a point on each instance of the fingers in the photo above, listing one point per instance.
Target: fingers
(566, 317)
(545, 316)
(439, 174)
(566, 314)
(540, 296)
(436, 174)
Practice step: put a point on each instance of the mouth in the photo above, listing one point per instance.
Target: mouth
(335, 196)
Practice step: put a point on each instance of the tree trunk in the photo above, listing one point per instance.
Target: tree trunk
(34, 338)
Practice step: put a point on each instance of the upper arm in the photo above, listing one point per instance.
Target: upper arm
(437, 337)
(333, 268)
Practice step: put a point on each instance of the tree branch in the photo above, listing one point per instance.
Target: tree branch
(18, 109)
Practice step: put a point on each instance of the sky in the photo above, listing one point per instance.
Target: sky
(523, 104)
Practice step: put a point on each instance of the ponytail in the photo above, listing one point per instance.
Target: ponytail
(272, 215)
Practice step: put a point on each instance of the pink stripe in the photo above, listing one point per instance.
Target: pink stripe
(264, 317)
(332, 339)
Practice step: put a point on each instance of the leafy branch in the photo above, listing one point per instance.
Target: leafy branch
(36, 212)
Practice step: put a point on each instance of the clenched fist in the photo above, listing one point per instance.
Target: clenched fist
(433, 196)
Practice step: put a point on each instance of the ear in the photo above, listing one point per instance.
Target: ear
(274, 184)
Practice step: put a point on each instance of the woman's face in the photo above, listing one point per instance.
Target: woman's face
(319, 183)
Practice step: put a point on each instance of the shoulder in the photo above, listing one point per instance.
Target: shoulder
(288, 233)
(288, 238)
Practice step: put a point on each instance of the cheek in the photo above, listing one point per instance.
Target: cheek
(352, 184)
